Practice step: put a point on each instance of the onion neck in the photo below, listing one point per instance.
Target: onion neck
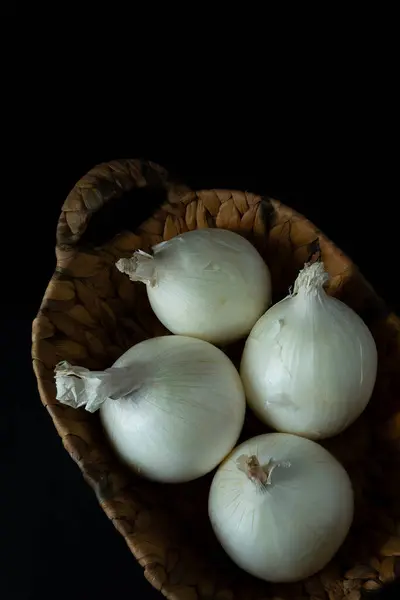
(258, 474)
(140, 267)
(311, 279)
(78, 387)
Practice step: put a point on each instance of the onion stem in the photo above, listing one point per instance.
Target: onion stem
(260, 475)
(311, 279)
(140, 267)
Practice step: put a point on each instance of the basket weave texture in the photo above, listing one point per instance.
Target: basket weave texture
(91, 314)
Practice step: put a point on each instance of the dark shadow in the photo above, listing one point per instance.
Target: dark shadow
(125, 213)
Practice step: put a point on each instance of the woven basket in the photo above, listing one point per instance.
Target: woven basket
(91, 314)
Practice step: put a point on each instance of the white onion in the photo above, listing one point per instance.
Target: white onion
(172, 407)
(281, 505)
(209, 283)
(309, 364)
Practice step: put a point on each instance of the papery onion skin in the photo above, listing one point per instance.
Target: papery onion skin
(209, 283)
(185, 414)
(309, 364)
(292, 528)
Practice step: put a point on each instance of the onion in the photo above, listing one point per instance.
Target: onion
(172, 407)
(209, 283)
(309, 364)
(281, 506)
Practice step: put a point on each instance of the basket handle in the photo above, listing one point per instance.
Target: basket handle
(103, 184)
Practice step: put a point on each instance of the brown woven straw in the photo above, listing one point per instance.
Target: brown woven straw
(91, 314)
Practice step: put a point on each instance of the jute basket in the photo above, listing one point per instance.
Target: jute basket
(91, 314)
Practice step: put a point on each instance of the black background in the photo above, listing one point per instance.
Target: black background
(55, 540)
